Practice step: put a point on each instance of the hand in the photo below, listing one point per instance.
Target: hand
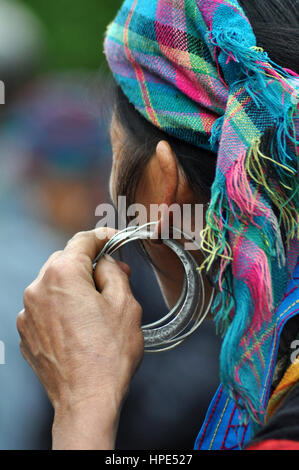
(84, 345)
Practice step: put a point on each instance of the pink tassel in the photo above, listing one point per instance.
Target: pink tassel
(255, 273)
(239, 191)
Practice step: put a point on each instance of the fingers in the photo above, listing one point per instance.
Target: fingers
(112, 279)
(85, 245)
(76, 261)
(89, 244)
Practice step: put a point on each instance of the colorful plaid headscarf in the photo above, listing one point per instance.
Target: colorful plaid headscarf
(193, 69)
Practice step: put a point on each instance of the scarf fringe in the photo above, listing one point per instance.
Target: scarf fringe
(254, 182)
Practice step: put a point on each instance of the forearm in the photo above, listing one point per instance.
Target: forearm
(88, 426)
(87, 350)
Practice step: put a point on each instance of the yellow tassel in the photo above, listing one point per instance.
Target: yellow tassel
(211, 242)
(257, 173)
(211, 245)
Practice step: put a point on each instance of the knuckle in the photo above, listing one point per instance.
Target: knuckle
(54, 269)
(124, 294)
(136, 307)
(103, 233)
(135, 314)
(55, 255)
(131, 306)
(122, 281)
(30, 295)
(121, 276)
(56, 272)
(136, 349)
(118, 280)
(20, 322)
(80, 259)
(79, 236)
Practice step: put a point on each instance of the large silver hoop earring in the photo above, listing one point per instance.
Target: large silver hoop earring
(189, 312)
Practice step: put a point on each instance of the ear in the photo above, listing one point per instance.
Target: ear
(168, 171)
(176, 188)
(163, 183)
(170, 183)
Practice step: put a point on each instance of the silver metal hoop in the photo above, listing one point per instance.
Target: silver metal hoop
(186, 316)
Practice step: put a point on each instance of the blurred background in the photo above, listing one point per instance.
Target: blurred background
(55, 160)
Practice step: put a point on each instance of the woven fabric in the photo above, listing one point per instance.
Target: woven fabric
(289, 380)
(193, 69)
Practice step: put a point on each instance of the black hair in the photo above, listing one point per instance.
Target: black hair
(275, 23)
(140, 144)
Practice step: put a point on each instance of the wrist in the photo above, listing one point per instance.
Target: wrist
(85, 425)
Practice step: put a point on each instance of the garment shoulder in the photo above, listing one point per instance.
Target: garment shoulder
(283, 408)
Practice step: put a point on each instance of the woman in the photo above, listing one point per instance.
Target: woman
(193, 82)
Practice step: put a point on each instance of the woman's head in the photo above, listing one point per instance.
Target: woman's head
(209, 78)
(275, 23)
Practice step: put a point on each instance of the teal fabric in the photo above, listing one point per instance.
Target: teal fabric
(193, 69)
(224, 428)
